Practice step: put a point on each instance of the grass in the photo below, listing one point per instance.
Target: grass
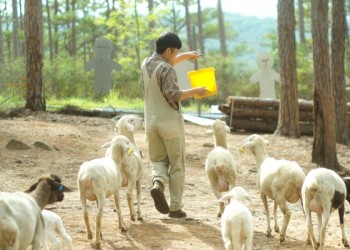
(113, 101)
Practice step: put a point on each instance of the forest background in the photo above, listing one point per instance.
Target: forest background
(229, 42)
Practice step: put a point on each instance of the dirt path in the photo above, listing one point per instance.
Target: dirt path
(74, 140)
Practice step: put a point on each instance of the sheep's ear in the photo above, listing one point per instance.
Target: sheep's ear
(63, 188)
(209, 132)
(248, 198)
(107, 145)
(31, 188)
(225, 197)
(130, 127)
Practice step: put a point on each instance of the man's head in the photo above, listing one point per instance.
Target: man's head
(168, 40)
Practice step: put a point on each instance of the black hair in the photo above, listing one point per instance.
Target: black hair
(167, 40)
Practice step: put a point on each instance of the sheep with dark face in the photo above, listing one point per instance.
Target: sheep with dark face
(21, 221)
(323, 192)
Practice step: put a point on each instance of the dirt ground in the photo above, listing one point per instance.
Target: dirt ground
(73, 140)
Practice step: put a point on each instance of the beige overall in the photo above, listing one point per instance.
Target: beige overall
(166, 139)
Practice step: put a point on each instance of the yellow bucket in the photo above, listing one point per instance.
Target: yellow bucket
(203, 77)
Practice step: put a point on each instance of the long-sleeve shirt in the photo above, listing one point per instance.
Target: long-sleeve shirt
(166, 78)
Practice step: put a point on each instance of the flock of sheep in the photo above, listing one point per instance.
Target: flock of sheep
(320, 191)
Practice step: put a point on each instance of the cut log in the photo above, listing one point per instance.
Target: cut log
(255, 114)
(265, 126)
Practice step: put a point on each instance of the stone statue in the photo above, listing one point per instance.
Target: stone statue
(103, 66)
(266, 76)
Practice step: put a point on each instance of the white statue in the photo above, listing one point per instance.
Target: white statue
(266, 76)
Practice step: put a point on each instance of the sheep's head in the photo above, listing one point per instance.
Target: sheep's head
(131, 123)
(50, 186)
(119, 146)
(253, 141)
(218, 127)
(236, 193)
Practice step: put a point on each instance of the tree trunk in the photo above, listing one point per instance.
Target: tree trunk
(56, 28)
(200, 28)
(301, 23)
(222, 35)
(324, 144)
(15, 29)
(35, 99)
(288, 119)
(337, 70)
(151, 26)
(1, 41)
(49, 29)
(138, 49)
(21, 27)
(74, 32)
(188, 25)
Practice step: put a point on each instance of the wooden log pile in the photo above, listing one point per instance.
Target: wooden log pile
(261, 115)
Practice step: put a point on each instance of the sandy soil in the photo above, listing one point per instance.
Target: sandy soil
(74, 139)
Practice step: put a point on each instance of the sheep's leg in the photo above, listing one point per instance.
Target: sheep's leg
(235, 236)
(286, 218)
(277, 229)
(56, 242)
(36, 245)
(138, 190)
(130, 199)
(341, 211)
(86, 216)
(117, 206)
(214, 183)
(311, 236)
(267, 213)
(325, 218)
(248, 242)
(319, 219)
(60, 229)
(100, 205)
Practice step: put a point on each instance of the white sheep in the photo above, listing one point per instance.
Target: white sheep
(220, 165)
(132, 164)
(53, 225)
(128, 124)
(323, 192)
(21, 221)
(100, 178)
(237, 221)
(279, 180)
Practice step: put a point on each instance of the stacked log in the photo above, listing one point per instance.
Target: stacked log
(261, 115)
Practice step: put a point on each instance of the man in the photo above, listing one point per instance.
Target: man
(164, 121)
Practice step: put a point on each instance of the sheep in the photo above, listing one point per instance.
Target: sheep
(128, 124)
(21, 221)
(132, 166)
(237, 221)
(53, 223)
(323, 192)
(220, 166)
(100, 178)
(279, 180)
